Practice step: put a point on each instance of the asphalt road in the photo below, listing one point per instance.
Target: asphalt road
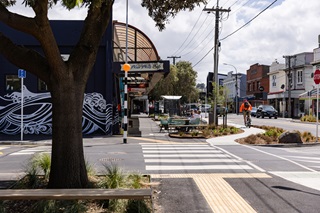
(285, 123)
(156, 153)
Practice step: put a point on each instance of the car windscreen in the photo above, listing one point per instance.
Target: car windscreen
(268, 108)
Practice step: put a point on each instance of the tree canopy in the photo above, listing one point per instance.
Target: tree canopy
(180, 81)
(66, 80)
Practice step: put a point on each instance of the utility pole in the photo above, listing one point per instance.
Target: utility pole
(174, 59)
(288, 61)
(217, 11)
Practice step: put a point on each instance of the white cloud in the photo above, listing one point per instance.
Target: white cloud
(288, 27)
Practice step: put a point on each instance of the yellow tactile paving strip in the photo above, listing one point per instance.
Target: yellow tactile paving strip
(221, 197)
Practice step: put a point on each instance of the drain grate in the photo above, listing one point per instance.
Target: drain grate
(116, 153)
(110, 159)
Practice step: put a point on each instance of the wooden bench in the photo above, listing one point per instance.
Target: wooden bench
(74, 194)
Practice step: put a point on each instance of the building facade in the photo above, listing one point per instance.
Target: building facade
(299, 71)
(210, 80)
(235, 87)
(104, 95)
(257, 84)
(277, 95)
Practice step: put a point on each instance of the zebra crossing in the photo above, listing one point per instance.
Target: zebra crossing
(31, 151)
(3, 147)
(186, 156)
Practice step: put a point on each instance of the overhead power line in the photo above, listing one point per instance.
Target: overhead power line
(236, 31)
(249, 21)
(177, 51)
(188, 35)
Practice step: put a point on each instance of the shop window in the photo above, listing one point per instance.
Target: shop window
(13, 83)
(299, 77)
(42, 86)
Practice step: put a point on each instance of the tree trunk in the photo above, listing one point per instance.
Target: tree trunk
(68, 169)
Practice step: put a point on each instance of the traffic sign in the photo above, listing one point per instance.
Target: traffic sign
(22, 73)
(316, 77)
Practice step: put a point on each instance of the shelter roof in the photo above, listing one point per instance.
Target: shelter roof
(171, 97)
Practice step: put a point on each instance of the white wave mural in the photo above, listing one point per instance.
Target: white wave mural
(37, 116)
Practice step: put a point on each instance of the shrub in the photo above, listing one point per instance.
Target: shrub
(308, 118)
(251, 139)
(194, 133)
(307, 137)
(42, 162)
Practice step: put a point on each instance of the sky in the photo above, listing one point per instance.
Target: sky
(288, 27)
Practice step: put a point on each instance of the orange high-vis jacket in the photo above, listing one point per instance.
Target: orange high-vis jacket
(242, 107)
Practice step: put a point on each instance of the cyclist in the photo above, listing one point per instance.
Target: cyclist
(245, 108)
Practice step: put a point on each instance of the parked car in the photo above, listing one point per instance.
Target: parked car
(205, 108)
(221, 110)
(254, 111)
(188, 107)
(266, 111)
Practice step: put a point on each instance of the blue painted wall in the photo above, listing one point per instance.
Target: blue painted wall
(102, 117)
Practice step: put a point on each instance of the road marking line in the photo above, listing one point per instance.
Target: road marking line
(177, 147)
(291, 161)
(185, 155)
(155, 140)
(182, 151)
(191, 160)
(199, 167)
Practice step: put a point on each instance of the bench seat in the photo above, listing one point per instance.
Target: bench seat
(74, 194)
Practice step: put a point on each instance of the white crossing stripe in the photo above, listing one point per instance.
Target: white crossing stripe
(174, 145)
(198, 167)
(183, 151)
(180, 148)
(183, 157)
(31, 151)
(196, 160)
(3, 147)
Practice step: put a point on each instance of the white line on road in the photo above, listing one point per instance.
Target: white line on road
(302, 166)
(184, 151)
(173, 145)
(192, 160)
(180, 148)
(185, 155)
(204, 167)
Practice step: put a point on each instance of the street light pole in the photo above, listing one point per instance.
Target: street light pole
(237, 110)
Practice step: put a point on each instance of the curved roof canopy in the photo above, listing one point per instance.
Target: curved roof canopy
(141, 52)
(140, 47)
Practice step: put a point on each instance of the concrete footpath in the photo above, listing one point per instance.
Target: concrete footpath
(212, 191)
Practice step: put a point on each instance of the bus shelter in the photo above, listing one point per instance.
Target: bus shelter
(171, 104)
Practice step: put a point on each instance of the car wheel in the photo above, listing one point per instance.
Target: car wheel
(275, 117)
(262, 116)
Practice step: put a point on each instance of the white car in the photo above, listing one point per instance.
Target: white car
(205, 107)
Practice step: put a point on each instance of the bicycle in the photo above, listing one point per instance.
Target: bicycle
(248, 119)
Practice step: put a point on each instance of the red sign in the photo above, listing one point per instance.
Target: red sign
(316, 76)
